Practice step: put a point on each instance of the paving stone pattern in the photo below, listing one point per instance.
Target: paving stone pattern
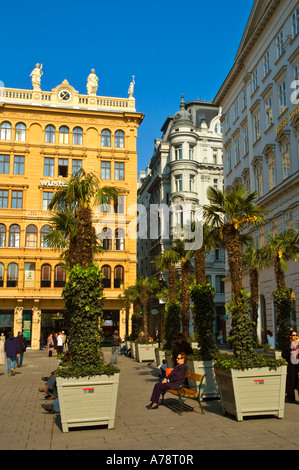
(26, 426)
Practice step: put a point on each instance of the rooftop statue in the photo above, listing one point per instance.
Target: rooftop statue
(131, 87)
(92, 83)
(36, 76)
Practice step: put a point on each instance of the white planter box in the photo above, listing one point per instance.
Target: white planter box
(133, 350)
(272, 354)
(146, 352)
(160, 356)
(253, 392)
(209, 386)
(87, 401)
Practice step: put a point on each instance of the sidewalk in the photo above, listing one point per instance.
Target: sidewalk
(26, 426)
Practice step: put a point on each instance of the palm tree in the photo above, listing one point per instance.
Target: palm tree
(76, 198)
(231, 212)
(255, 260)
(149, 287)
(185, 256)
(280, 249)
(208, 244)
(167, 261)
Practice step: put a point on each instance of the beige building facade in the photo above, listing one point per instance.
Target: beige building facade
(44, 138)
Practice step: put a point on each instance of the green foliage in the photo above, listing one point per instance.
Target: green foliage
(173, 315)
(203, 312)
(229, 361)
(134, 334)
(83, 294)
(242, 327)
(282, 305)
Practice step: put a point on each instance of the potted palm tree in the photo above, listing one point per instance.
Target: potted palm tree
(240, 374)
(87, 387)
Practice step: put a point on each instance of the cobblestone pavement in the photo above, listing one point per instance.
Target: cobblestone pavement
(26, 426)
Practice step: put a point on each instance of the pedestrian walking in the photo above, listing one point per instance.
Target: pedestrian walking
(22, 346)
(59, 343)
(12, 350)
(50, 345)
(115, 347)
(2, 353)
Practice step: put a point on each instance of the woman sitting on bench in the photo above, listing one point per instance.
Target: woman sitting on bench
(175, 379)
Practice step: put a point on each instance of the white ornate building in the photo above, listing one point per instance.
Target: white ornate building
(261, 131)
(186, 160)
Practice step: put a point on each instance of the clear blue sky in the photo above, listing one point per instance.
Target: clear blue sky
(172, 47)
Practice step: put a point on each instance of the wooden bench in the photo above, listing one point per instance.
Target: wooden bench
(185, 392)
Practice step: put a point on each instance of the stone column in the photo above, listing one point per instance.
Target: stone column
(18, 317)
(36, 325)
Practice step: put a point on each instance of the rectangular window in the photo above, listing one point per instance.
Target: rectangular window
(29, 275)
(105, 170)
(244, 98)
(266, 62)
(17, 199)
(19, 165)
(178, 183)
(246, 141)
(49, 167)
(256, 127)
(63, 167)
(271, 171)
(215, 158)
(268, 113)
(119, 171)
(47, 198)
(76, 165)
(254, 80)
(286, 164)
(279, 45)
(258, 180)
(3, 199)
(237, 151)
(4, 164)
(120, 205)
(191, 182)
(282, 96)
(178, 152)
(236, 110)
(228, 161)
(227, 122)
(191, 152)
(295, 22)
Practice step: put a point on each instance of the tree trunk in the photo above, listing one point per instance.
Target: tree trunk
(172, 282)
(145, 302)
(254, 288)
(279, 275)
(234, 253)
(84, 243)
(200, 266)
(185, 298)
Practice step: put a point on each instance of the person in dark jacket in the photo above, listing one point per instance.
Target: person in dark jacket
(23, 346)
(175, 379)
(12, 350)
(181, 345)
(292, 369)
(115, 347)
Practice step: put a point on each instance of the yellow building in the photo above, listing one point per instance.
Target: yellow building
(44, 138)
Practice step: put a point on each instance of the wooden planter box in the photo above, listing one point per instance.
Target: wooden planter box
(160, 356)
(146, 352)
(87, 401)
(252, 392)
(209, 387)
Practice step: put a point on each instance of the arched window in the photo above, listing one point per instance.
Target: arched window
(45, 280)
(20, 132)
(50, 134)
(1, 274)
(44, 231)
(77, 136)
(59, 276)
(5, 131)
(118, 277)
(64, 135)
(119, 239)
(106, 138)
(106, 238)
(12, 275)
(2, 235)
(31, 236)
(119, 139)
(14, 236)
(106, 282)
